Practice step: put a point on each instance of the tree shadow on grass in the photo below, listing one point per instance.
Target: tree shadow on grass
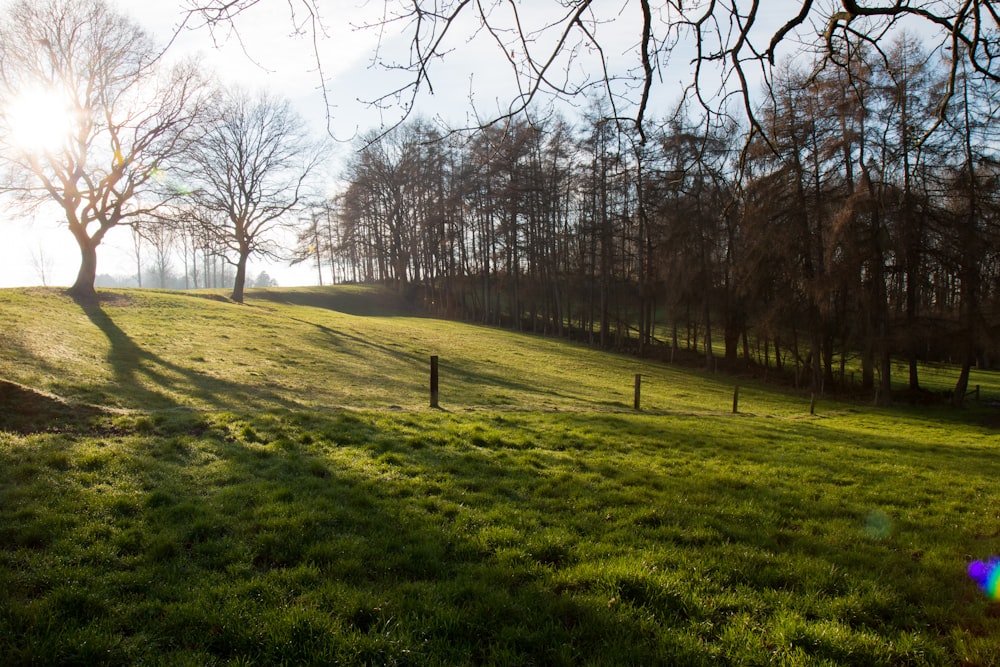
(26, 410)
(149, 382)
(459, 378)
(307, 538)
(362, 302)
(277, 554)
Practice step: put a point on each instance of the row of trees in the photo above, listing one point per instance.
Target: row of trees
(856, 214)
(96, 121)
(862, 221)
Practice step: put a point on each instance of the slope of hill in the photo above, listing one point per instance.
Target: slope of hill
(188, 481)
(314, 349)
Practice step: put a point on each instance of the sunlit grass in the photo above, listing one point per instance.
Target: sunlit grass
(248, 508)
(153, 350)
(504, 538)
(346, 347)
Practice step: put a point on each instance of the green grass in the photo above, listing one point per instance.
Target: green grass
(320, 513)
(310, 349)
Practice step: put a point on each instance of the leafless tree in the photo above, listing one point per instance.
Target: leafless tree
(162, 235)
(311, 238)
(564, 48)
(250, 173)
(125, 117)
(137, 240)
(42, 263)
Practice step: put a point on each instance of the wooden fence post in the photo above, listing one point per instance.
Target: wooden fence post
(434, 381)
(736, 400)
(812, 405)
(638, 390)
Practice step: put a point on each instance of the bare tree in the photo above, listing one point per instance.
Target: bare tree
(972, 177)
(137, 253)
(250, 172)
(42, 263)
(565, 49)
(310, 239)
(122, 117)
(162, 235)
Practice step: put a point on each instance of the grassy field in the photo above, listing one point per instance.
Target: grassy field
(188, 481)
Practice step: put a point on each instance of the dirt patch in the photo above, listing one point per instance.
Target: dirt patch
(26, 410)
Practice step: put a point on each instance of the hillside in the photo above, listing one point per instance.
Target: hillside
(188, 481)
(317, 349)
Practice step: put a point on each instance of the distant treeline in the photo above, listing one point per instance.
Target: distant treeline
(858, 221)
(222, 278)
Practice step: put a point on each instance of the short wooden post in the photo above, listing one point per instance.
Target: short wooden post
(434, 381)
(638, 391)
(736, 400)
(812, 405)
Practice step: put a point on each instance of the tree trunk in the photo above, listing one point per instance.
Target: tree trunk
(914, 372)
(709, 356)
(83, 288)
(732, 339)
(885, 364)
(828, 378)
(241, 278)
(868, 359)
(962, 386)
(816, 358)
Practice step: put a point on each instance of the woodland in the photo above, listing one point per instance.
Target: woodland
(860, 227)
(844, 217)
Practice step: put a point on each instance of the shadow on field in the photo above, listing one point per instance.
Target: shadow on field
(363, 302)
(25, 410)
(279, 539)
(433, 552)
(459, 377)
(141, 374)
(301, 538)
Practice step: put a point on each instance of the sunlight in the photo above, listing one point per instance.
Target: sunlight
(38, 120)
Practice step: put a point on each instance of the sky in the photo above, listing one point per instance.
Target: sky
(273, 59)
(268, 53)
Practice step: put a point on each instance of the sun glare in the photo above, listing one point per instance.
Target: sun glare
(38, 120)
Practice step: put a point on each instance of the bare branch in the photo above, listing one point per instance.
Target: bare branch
(126, 117)
(726, 38)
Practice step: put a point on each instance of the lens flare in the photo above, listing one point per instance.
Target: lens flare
(163, 179)
(986, 574)
(878, 525)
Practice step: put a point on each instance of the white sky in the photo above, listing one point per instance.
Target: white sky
(265, 54)
(286, 67)
(285, 63)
